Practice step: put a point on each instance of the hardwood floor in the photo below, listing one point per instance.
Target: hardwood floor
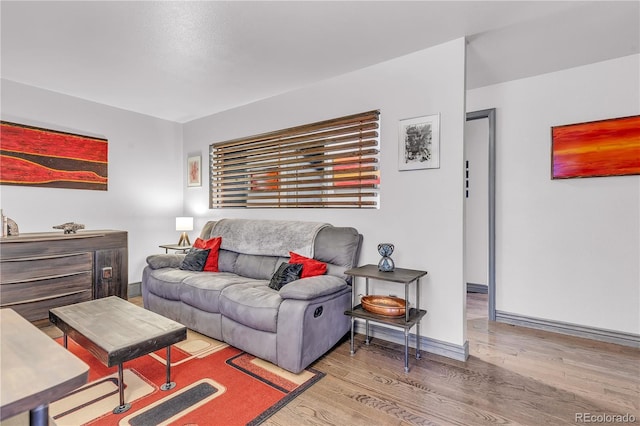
(477, 306)
(514, 375)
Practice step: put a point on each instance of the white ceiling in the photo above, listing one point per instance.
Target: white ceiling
(182, 60)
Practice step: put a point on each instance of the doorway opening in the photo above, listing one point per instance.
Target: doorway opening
(480, 203)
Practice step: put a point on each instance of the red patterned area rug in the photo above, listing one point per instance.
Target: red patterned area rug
(216, 384)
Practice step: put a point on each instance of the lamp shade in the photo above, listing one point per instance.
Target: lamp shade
(184, 224)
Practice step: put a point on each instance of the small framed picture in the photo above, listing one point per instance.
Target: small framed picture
(194, 172)
(419, 143)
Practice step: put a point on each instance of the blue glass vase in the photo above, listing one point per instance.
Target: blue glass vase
(386, 263)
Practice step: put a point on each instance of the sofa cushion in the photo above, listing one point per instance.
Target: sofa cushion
(255, 306)
(195, 260)
(166, 282)
(202, 290)
(227, 260)
(212, 244)
(286, 273)
(256, 266)
(310, 267)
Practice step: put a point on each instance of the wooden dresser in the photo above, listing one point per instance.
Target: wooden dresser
(40, 271)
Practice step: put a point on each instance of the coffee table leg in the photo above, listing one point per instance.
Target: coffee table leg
(122, 407)
(39, 416)
(65, 340)
(169, 384)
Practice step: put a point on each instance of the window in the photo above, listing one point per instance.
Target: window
(331, 163)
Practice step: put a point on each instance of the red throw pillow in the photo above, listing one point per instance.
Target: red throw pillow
(310, 267)
(213, 245)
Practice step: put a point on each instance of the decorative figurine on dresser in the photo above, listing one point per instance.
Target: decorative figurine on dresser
(69, 227)
(386, 263)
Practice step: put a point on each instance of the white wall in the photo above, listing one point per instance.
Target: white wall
(144, 194)
(567, 250)
(421, 211)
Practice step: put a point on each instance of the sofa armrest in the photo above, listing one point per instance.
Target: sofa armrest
(159, 261)
(312, 287)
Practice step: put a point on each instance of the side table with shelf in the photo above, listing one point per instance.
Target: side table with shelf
(176, 247)
(412, 316)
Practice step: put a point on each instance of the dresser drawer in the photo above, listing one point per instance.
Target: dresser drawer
(39, 310)
(35, 268)
(34, 290)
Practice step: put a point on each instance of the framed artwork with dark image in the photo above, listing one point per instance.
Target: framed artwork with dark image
(194, 172)
(419, 143)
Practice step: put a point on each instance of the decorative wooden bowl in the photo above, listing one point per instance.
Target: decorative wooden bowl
(384, 305)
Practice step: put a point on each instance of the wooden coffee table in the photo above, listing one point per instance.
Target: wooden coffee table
(35, 369)
(116, 331)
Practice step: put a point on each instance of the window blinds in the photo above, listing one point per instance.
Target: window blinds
(331, 163)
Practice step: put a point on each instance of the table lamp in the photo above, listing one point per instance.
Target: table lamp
(184, 224)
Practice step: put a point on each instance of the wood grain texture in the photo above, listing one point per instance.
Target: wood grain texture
(116, 331)
(35, 369)
(117, 260)
(32, 268)
(39, 271)
(514, 375)
(55, 243)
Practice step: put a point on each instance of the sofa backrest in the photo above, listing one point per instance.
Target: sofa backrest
(339, 247)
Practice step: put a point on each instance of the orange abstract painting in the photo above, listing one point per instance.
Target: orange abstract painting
(31, 156)
(597, 148)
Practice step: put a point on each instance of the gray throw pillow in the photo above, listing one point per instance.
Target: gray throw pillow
(195, 259)
(286, 273)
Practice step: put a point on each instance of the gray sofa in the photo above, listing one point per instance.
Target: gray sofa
(291, 327)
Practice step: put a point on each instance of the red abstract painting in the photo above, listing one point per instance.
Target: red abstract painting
(32, 156)
(597, 148)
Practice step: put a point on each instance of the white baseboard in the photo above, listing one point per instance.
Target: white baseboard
(610, 336)
(434, 346)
